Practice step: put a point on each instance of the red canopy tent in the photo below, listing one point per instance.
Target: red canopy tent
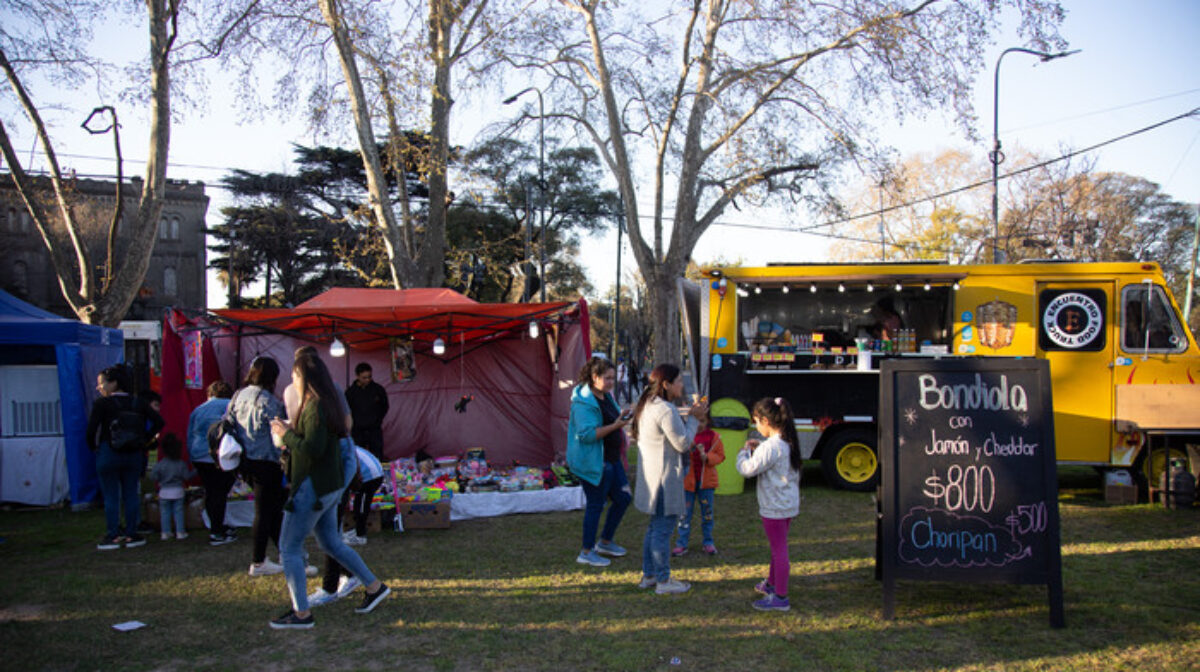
(520, 382)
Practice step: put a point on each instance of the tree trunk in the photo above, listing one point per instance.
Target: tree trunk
(130, 275)
(431, 260)
(404, 272)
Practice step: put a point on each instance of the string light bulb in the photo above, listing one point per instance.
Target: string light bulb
(534, 329)
(785, 288)
(813, 288)
(841, 287)
(337, 348)
(439, 346)
(870, 287)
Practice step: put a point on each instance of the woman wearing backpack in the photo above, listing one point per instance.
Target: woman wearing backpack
(118, 429)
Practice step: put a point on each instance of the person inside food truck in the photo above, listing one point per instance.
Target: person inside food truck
(887, 320)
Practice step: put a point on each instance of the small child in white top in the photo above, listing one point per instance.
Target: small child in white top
(171, 473)
(776, 462)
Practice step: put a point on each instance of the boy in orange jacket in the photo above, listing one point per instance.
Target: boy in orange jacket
(699, 483)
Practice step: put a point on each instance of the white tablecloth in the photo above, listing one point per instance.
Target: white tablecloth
(238, 513)
(33, 470)
(465, 506)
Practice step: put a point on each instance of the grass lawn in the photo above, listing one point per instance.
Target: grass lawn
(506, 594)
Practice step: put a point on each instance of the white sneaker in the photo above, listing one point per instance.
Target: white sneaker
(266, 568)
(672, 587)
(319, 597)
(181, 535)
(352, 539)
(310, 570)
(647, 582)
(165, 536)
(346, 585)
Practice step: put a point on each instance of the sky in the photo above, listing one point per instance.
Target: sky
(1137, 66)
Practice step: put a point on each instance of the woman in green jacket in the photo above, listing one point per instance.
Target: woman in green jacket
(313, 462)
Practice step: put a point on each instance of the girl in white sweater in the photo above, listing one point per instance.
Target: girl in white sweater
(776, 462)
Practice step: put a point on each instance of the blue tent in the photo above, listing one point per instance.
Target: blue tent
(30, 335)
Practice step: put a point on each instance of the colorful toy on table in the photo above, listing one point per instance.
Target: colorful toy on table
(444, 467)
(472, 467)
(405, 479)
(563, 474)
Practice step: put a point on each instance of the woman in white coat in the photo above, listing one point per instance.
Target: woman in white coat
(663, 439)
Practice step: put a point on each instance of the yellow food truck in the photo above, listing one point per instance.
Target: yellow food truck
(1123, 364)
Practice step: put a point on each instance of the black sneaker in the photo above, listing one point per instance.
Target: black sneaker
(134, 540)
(221, 539)
(290, 621)
(372, 600)
(109, 542)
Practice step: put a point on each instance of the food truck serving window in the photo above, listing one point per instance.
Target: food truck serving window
(772, 318)
(1148, 323)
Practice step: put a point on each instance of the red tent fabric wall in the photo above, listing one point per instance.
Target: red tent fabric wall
(521, 398)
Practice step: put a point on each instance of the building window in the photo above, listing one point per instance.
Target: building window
(20, 279)
(168, 229)
(170, 282)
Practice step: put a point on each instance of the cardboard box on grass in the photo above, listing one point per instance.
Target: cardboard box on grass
(192, 513)
(1120, 494)
(424, 515)
(374, 520)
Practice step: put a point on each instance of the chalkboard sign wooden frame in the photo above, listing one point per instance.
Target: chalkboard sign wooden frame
(969, 489)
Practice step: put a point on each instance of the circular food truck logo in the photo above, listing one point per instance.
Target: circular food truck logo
(1072, 320)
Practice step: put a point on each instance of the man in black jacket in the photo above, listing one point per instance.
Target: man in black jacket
(368, 403)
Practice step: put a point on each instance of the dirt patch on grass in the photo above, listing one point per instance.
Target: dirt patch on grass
(23, 612)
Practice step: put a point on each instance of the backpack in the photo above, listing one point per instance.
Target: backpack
(127, 431)
(223, 444)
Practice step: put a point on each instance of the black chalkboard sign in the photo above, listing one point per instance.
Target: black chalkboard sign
(969, 487)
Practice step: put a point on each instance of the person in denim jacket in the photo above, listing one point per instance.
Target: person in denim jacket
(253, 407)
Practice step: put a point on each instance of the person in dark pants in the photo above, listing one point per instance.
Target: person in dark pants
(119, 470)
(217, 481)
(253, 408)
(368, 403)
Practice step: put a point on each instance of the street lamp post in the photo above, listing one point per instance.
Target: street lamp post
(541, 177)
(996, 156)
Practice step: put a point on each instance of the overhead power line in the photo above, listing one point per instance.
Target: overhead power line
(812, 229)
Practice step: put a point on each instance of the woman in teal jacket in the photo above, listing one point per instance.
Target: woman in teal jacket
(594, 445)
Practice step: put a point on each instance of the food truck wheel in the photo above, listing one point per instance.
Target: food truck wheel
(849, 460)
(1149, 468)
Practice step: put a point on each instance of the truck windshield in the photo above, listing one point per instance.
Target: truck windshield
(1148, 322)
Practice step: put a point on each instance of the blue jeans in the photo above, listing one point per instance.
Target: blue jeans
(171, 510)
(323, 524)
(706, 516)
(614, 485)
(119, 475)
(656, 548)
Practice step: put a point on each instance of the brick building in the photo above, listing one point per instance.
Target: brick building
(176, 276)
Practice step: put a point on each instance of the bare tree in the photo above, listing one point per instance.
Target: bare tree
(397, 62)
(737, 103)
(917, 210)
(51, 45)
